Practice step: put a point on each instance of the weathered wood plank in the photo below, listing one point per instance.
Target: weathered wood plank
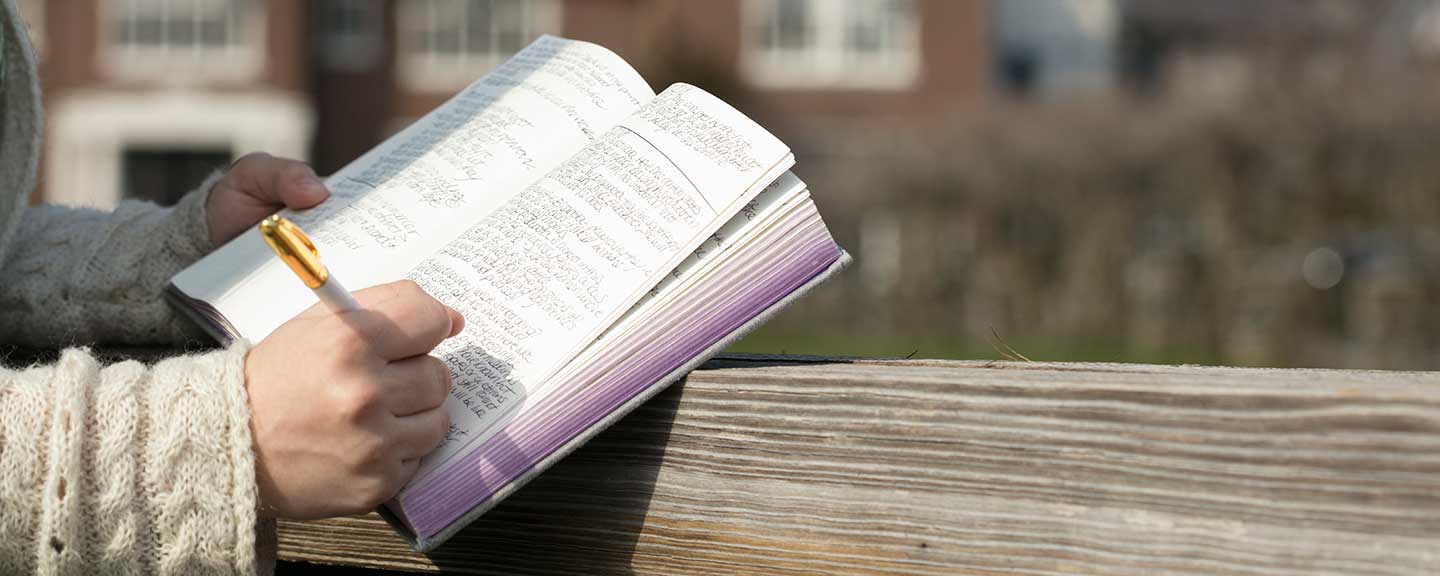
(774, 465)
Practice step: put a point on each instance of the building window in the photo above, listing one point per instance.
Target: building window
(157, 144)
(1018, 68)
(205, 38)
(447, 44)
(350, 33)
(848, 44)
(1048, 47)
(164, 175)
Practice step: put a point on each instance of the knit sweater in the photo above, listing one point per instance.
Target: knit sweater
(123, 469)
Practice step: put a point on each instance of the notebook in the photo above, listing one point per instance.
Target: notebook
(601, 241)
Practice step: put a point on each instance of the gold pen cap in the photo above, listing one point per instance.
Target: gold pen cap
(295, 248)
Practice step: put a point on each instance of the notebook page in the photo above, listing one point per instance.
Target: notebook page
(776, 202)
(420, 189)
(763, 211)
(545, 275)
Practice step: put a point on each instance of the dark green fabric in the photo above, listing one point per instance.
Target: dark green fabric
(4, 57)
(4, 60)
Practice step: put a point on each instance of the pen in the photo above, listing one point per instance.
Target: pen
(297, 251)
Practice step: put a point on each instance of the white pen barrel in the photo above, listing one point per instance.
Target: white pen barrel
(334, 295)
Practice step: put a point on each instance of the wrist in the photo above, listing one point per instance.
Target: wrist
(265, 508)
(204, 232)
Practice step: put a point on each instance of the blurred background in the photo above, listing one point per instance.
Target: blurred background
(1219, 182)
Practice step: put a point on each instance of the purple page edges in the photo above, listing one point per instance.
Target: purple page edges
(430, 507)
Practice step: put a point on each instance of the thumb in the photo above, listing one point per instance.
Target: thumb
(296, 185)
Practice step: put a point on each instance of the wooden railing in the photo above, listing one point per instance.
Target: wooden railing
(831, 466)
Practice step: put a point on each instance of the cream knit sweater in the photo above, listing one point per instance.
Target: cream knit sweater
(125, 469)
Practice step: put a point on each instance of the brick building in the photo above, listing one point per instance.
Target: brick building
(145, 96)
(382, 63)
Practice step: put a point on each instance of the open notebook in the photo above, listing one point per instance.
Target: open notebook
(600, 240)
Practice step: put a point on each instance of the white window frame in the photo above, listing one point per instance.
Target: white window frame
(430, 71)
(239, 60)
(827, 62)
(89, 132)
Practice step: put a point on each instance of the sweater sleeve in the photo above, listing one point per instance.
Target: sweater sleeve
(82, 276)
(128, 469)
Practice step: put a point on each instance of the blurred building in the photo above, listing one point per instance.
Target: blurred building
(1226, 180)
(803, 61)
(145, 97)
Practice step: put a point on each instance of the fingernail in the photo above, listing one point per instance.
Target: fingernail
(314, 185)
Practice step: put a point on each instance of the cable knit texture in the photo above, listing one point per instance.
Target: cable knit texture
(79, 275)
(125, 469)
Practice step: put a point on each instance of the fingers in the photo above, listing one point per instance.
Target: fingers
(406, 470)
(400, 320)
(416, 384)
(278, 180)
(401, 473)
(298, 186)
(418, 434)
(373, 491)
(457, 322)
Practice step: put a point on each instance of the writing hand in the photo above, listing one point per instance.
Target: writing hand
(344, 405)
(257, 185)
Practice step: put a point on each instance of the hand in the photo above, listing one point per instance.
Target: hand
(342, 406)
(258, 185)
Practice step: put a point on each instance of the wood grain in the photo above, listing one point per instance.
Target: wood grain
(815, 466)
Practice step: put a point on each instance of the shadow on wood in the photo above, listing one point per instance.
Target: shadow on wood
(601, 495)
(593, 503)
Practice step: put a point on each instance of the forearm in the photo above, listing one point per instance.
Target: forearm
(86, 276)
(127, 469)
